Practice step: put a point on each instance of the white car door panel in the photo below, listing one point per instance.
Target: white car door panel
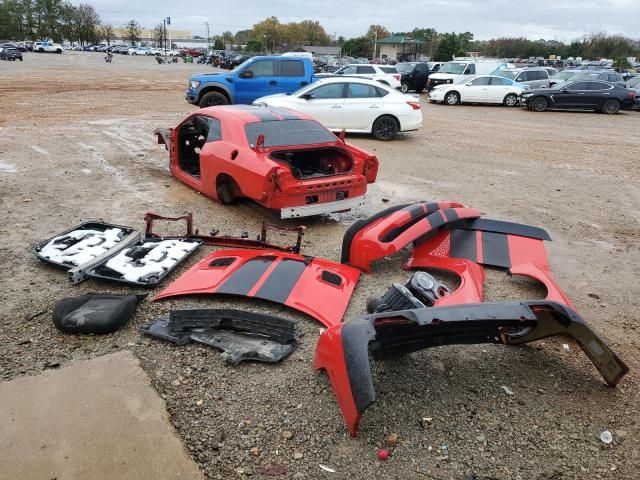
(325, 103)
(361, 107)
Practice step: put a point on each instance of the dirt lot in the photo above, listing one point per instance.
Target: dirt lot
(76, 144)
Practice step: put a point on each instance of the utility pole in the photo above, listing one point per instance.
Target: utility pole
(375, 44)
(163, 40)
(169, 23)
(207, 25)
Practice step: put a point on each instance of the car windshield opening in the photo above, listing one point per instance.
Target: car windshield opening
(288, 132)
(405, 67)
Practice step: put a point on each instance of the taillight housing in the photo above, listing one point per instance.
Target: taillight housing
(414, 105)
(397, 77)
(631, 93)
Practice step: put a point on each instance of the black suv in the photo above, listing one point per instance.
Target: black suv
(9, 52)
(414, 75)
(594, 95)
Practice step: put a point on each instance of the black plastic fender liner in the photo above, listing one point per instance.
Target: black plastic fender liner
(94, 313)
(238, 334)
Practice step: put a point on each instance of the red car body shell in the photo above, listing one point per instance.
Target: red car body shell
(257, 176)
(316, 286)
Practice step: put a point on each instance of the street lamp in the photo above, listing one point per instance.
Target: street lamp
(207, 25)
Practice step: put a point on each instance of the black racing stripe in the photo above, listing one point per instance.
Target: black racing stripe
(495, 250)
(264, 115)
(279, 284)
(433, 206)
(498, 226)
(244, 278)
(356, 227)
(451, 214)
(284, 113)
(356, 336)
(435, 220)
(416, 210)
(463, 245)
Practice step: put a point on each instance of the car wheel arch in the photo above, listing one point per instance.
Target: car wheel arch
(219, 89)
(227, 188)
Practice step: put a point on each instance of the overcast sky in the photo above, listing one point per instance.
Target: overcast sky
(549, 19)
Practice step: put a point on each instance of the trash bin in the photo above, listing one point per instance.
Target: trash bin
(188, 59)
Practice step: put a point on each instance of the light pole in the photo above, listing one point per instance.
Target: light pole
(206, 24)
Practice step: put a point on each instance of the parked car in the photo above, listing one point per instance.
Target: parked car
(606, 75)
(383, 74)
(192, 52)
(354, 104)
(140, 51)
(479, 89)
(255, 78)
(10, 53)
(281, 159)
(634, 82)
(48, 47)
(232, 62)
(534, 77)
(456, 70)
(561, 77)
(154, 51)
(596, 95)
(414, 75)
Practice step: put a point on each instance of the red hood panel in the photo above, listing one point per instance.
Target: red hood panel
(316, 286)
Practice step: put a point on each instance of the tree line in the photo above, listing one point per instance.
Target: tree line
(60, 20)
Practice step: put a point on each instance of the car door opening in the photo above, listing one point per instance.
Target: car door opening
(315, 163)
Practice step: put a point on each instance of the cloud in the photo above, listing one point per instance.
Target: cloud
(559, 19)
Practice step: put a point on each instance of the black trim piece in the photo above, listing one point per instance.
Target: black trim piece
(355, 228)
(450, 214)
(356, 336)
(281, 281)
(495, 250)
(222, 262)
(498, 226)
(463, 245)
(245, 277)
(332, 278)
(416, 210)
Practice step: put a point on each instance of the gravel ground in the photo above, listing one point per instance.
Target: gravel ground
(76, 144)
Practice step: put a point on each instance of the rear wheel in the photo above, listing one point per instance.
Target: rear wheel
(611, 107)
(404, 87)
(511, 100)
(452, 98)
(539, 104)
(212, 99)
(385, 128)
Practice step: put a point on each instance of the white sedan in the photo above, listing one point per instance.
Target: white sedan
(356, 105)
(479, 89)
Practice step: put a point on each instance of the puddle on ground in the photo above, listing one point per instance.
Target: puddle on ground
(7, 167)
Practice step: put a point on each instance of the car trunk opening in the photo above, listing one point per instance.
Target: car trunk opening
(315, 162)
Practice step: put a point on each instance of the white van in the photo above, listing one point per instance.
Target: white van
(459, 68)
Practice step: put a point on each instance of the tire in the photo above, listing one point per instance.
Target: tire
(452, 98)
(611, 107)
(511, 100)
(212, 99)
(58, 51)
(385, 128)
(41, 50)
(404, 87)
(539, 104)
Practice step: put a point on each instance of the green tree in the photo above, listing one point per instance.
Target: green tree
(378, 30)
(357, 47)
(218, 44)
(132, 31)
(253, 46)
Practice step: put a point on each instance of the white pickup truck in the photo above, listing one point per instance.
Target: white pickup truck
(47, 47)
(382, 73)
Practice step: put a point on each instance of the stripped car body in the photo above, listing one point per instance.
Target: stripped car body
(460, 246)
(315, 286)
(281, 159)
